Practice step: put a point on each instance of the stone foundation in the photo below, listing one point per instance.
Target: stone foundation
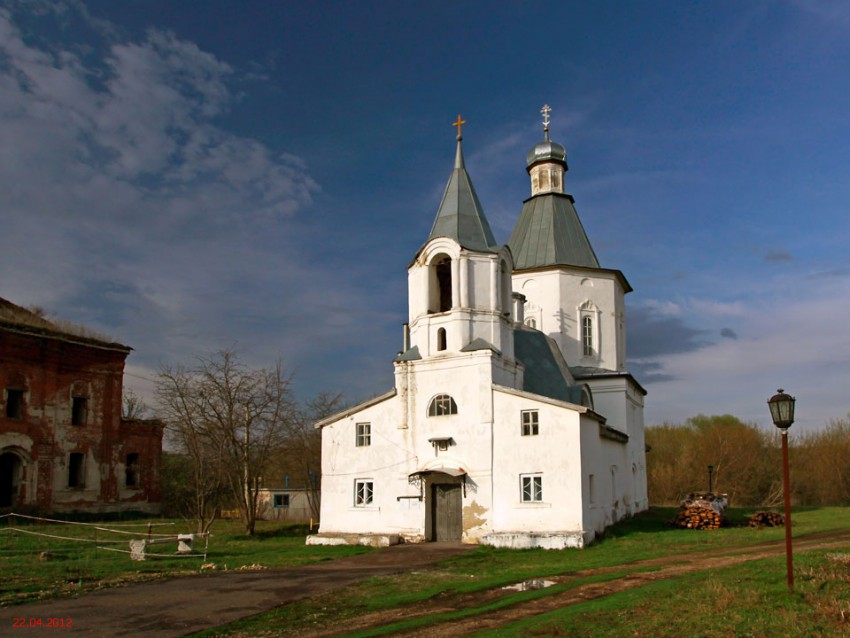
(531, 540)
(369, 540)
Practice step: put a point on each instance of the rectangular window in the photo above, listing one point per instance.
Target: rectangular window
(76, 469)
(591, 489)
(131, 470)
(587, 336)
(14, 404)
(532, 488)
(530, 423)
(363, 491)
(364, 434)
(281, 501)
(79, 410)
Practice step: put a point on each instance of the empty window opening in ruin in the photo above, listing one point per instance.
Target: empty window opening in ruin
(76, 469)
(14, 403)
(79, 410)
(131, 470)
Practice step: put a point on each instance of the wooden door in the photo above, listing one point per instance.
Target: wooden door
(446, 512)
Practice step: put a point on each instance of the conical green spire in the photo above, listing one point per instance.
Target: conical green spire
(461, 216)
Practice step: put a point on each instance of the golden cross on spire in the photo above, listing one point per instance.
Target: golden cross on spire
(458, 124)
(545, 111)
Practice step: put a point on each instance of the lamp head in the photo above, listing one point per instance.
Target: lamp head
(781, 409)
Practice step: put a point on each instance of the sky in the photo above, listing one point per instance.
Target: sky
(257, 175)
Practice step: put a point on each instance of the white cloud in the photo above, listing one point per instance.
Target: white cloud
(129, 207)
(714, 308)
(794, 336)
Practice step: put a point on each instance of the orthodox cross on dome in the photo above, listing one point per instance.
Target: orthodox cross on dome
(458, 124)
(545, 111)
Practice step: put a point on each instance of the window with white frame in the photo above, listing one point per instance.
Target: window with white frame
(587, 335)
(364, 434)
(589, 341)
(531, 488)
(363, 491)
(442, 405)
(530, 423)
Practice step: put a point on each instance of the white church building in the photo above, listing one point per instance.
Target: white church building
(513, 421)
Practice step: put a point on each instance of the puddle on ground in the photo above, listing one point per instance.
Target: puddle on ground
(528, 585)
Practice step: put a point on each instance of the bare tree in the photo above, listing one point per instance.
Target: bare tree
(134, 406)
(310, 445)
(229, 420)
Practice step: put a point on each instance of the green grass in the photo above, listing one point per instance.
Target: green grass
(751, 598)
(644, 537)
(746, 600)
(38, 567)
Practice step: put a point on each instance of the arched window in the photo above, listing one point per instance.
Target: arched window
(441, 339)
(531, 323)
(587, 335)
(442, 405)
(443, 269)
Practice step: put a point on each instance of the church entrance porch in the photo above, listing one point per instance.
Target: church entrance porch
(446, 515)
(443, 491)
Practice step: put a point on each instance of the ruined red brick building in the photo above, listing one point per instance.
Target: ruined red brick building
(64, 445)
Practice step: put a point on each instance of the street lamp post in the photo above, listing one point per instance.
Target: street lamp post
(710, 472)
(782, 412)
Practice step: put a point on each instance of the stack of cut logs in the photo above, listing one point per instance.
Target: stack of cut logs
(767, 519)
(701, 510)
(696, 517)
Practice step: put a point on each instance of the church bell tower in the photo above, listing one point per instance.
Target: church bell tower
(459, 282)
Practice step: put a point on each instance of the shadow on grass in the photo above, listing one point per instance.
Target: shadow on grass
(655, 519)
(285, 531)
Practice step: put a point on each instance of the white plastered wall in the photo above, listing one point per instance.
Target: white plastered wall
(554, 300)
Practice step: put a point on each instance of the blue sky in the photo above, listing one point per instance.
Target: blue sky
(259, 174)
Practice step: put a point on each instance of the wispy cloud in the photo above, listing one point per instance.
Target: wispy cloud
(778, 255)
(128, 207)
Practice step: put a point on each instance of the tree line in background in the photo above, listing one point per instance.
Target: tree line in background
(230, 430)
(747, 462)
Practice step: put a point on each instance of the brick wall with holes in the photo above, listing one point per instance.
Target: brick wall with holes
(63, 443)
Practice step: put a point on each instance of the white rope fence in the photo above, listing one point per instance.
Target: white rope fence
(138, 545)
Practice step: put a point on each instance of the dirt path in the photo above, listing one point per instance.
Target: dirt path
(667, 567)
(176, 607)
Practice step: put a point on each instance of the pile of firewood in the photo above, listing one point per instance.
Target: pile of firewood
(767, 519)
(701, 510)
(697, 517)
